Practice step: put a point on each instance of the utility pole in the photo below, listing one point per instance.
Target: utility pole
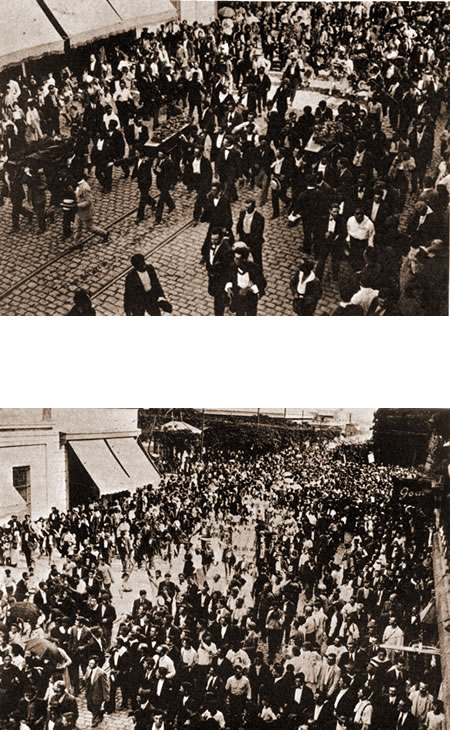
(203, 427)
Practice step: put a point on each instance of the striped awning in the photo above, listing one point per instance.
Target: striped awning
(26, 32)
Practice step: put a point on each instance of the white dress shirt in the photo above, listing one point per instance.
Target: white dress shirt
(145, 280)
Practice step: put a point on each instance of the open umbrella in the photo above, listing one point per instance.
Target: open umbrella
(24, 610)
(41, 647)
(226, 12)
(179, 427)
(250, 19)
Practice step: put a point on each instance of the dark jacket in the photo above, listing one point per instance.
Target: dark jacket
(256, 277)
(256, 235)
(165, 174)
(303, 708)
(261, 684)
(218, 269)
(306, 306)
(143, 174)
(218, 216)
(228, 168)
(117, 144)
(346, 704)
(139, 139)
(137, 301)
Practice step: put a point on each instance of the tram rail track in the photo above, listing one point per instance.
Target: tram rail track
(147, 254)
(79, 247)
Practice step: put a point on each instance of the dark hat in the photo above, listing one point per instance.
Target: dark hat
(165, 306)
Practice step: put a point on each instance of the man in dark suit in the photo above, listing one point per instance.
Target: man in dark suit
(245, 284)
(405, 719)
(62, 705)
(142, 173)
(161, 691)
(222, 633)
(32, 709)
(143, 292)
(246, 102)
(421, 146)
(136, 135)
(93, 117)
(215, 684)
(250, 230)
(228, 167)
(208, 121)
(217, 142)
(218, 257)
(344, 699)
(330, 239)
(385, 709)
(363, 162)
(17, 194)
(143, 714)
(217, 211)
(22, 588)
(118, 147)
(262, 87)
(232, 117)
(199, 176)
(260, 678)
(223, 667)
(345, 177)
(321, 713)
(51, 110)
(377, 210)
(119, 664)
(105, 616)
(300, 702)
(354, 655)
(165, 178)
(102, 156)
(423, 225)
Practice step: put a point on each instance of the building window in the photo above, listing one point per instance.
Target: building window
(22, 482)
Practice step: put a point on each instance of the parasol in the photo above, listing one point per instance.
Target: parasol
(179, 427)
(41, 647)
(226, 12)
(251, 19)
(24, 610)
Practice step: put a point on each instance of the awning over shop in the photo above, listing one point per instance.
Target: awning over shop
(135, 462)
(115, 464)
(102, 466)
(26, 32)
(85, 20)
(144, 13)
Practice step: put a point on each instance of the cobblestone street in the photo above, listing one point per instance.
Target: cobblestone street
(39, 273)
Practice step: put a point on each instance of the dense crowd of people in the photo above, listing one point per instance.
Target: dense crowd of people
(344, 173)
(299, 584)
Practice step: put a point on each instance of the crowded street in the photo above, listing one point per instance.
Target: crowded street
(288, 587)
(349, 132)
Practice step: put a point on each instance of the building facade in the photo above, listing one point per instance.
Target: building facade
(59, 457)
